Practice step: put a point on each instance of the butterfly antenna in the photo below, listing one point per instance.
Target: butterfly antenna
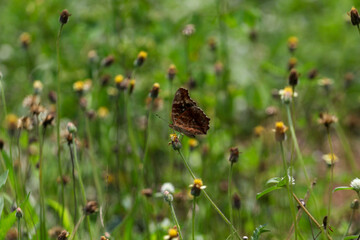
(161, 118)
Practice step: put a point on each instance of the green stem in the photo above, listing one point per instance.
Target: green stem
(289, 189)
(92, 160)
(81, 182)
(350, 222)
(229, 195)
(19, 229)
(41, 187)
(209, 199)
(3, 98)
(175, 219)
(331, 175)
(58, 122)
(74, 182)
(193, 218)
(76, 227)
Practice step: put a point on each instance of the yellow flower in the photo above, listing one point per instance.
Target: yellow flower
(293, 43)
(78, 86)
(287, 94)
(258, 130)
(119, 78)
(172, 232)
(193, 143)
(12, 121)
(142, 54)
(330, 159)
(103, 112)
(280, 130)
(196, 187)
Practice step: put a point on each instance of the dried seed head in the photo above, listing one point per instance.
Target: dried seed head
(189, 30)
(236, 201)
(104, 80)
(354, 16)
(312, 74)
(302, 201)
(234, 155)
(64, 16)
(219, 68)
(108, 61)
(91, 207)
(93, 56)
(293, 43)
(271, 111)
(155, 91)
(25, 40)
(103, 238)
(19, 213)
(63, 235)
(147, 192)
(212, 44)
(348, 79)
(293, 77)
(327, 119)
(52, 96)
(355, 204)
(191, 83)
(280, 130)
(49, 119)
(54, 232)
(1, 144)
(12, 234)
(253, 35)
(172, 72)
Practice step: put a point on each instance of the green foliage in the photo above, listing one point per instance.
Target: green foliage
(258, 231)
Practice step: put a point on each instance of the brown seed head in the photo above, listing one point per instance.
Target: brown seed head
(312, 74)
(327, 119)
(64, 16)
(293, 77)
(147, 192)
(234, 155)
(172, 72)
(91, 207)
(63, 235)
(236, 201)
(108, 61)
(1, 144)
(354, 16)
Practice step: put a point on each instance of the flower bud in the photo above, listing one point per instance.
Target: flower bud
(293, 77)
(71, 128)
(280, 130)
(64, 16)
(18, 213)
(234, 155)
(355, 204)
(354, 16)
(155, 91)
(172, 72)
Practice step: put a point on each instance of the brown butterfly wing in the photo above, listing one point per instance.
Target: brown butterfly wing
(188, 118)
(181, 103)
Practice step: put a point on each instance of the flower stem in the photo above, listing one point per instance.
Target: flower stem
(208, 197)
(229, 195)
(331, 175)
(350, 222)
(193, 218)
(74, 182)
(289, 189)
(175, 219)
(58, 121)
(19, 229)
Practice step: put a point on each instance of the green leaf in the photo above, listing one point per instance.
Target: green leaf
(342, 188)
(68, 221)
(7, 222)
(258, 231)
(351, 237)
(266, 191)
(3, 178)
(275, 180)
(10, 168)
(1, 205)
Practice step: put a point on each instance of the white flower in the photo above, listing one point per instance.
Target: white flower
(167, 187)
(355, 184)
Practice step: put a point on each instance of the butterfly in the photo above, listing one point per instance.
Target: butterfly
(186, 116)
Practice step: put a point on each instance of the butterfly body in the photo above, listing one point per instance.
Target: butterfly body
(186, 116)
